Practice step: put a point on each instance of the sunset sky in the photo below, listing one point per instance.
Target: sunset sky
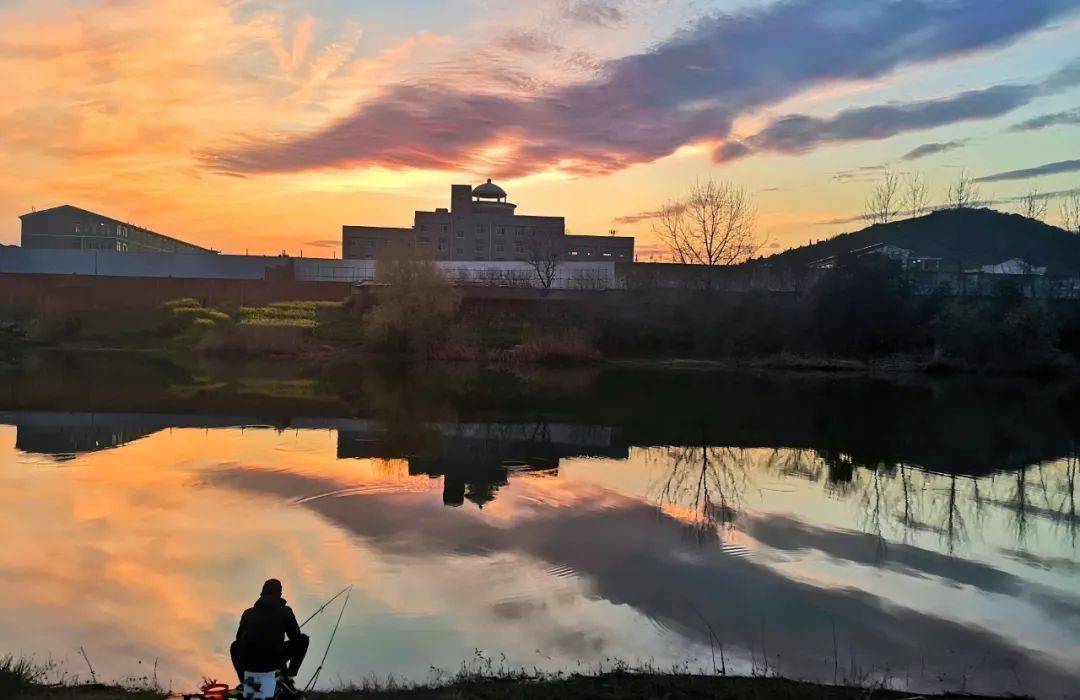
(265, 125)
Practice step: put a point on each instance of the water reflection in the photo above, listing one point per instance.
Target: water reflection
(825, 528)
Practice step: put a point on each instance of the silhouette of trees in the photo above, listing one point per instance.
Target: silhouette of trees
(916, 196)
(963, 193)
(1070, 213)
(1033, 205)
(544, 253)
(715, 224)
(883, 204)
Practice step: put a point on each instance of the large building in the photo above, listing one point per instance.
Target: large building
(481, 225)
(70, 228)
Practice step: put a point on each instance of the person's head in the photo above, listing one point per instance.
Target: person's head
(272, 588)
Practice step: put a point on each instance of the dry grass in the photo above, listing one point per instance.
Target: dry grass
(556, 347)
(256, 339)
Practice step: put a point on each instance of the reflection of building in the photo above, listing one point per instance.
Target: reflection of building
(65, 441)
(476, 459)
(481, 225)
(70, 228)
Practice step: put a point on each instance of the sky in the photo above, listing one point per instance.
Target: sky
(263, 126)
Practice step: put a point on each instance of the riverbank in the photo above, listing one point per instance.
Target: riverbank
(611, 686)
(861, 323)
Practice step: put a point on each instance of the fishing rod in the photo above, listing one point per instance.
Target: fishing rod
(315, 676)
(324, 605)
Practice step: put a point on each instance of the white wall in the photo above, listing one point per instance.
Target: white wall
(571, 275)
(116, 264)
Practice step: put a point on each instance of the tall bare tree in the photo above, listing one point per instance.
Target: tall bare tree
(916, 195)
(963, 193)
(1033, 205)
(883, 204)
(1070, 213)
(716, 224)
(544, 253)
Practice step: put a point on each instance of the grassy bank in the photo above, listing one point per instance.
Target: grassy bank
(609, 686)
(853, 320)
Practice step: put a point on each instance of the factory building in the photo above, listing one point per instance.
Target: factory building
(481, 224)
(70, 228)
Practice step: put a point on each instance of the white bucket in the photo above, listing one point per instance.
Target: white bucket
(260, 686)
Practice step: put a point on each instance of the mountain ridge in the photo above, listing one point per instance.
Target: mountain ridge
(962, 238)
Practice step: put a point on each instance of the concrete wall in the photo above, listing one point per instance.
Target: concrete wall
(507, 273)
(116, 264)
(101, 263)
(57, 293)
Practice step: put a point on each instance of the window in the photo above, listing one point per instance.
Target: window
(77, 225)
(460, 251)
(479, 245)
(479, 228)
(445, 228)
(501, 231)
(499, 247)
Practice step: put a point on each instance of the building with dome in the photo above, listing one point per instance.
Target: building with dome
(481, 224)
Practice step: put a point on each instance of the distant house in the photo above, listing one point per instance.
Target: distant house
(71, 228)
(892, 252)
(1015, 266)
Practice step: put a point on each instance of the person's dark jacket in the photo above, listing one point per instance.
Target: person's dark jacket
(262, 632)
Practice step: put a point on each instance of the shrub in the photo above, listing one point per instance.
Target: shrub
(1006, 333)
(864, 309)
(184, 302)
(414, 309)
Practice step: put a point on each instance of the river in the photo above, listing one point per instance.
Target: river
(910, 531)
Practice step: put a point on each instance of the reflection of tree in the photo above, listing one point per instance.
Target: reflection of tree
(709, 481)
(1068, 497)
(954, 519)
(796, 463)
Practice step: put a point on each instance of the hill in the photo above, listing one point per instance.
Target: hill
(965, 237)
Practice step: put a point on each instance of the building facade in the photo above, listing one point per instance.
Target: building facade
(481, 224)
(70, 228)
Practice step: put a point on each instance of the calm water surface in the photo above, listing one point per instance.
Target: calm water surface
(823, 528)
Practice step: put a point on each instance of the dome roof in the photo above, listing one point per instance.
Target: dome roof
(489, 190)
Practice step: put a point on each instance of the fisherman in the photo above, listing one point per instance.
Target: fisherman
(269, 639)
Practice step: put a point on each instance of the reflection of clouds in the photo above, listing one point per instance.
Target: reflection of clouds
(791, 535)
(633, 556)
(123, 553)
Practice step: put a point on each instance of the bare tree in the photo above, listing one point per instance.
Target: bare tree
(963, 193)
(715, 225)
(544, 253)
(1033, 205)
(883, 204)
(916, 196)
(1070, 213)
